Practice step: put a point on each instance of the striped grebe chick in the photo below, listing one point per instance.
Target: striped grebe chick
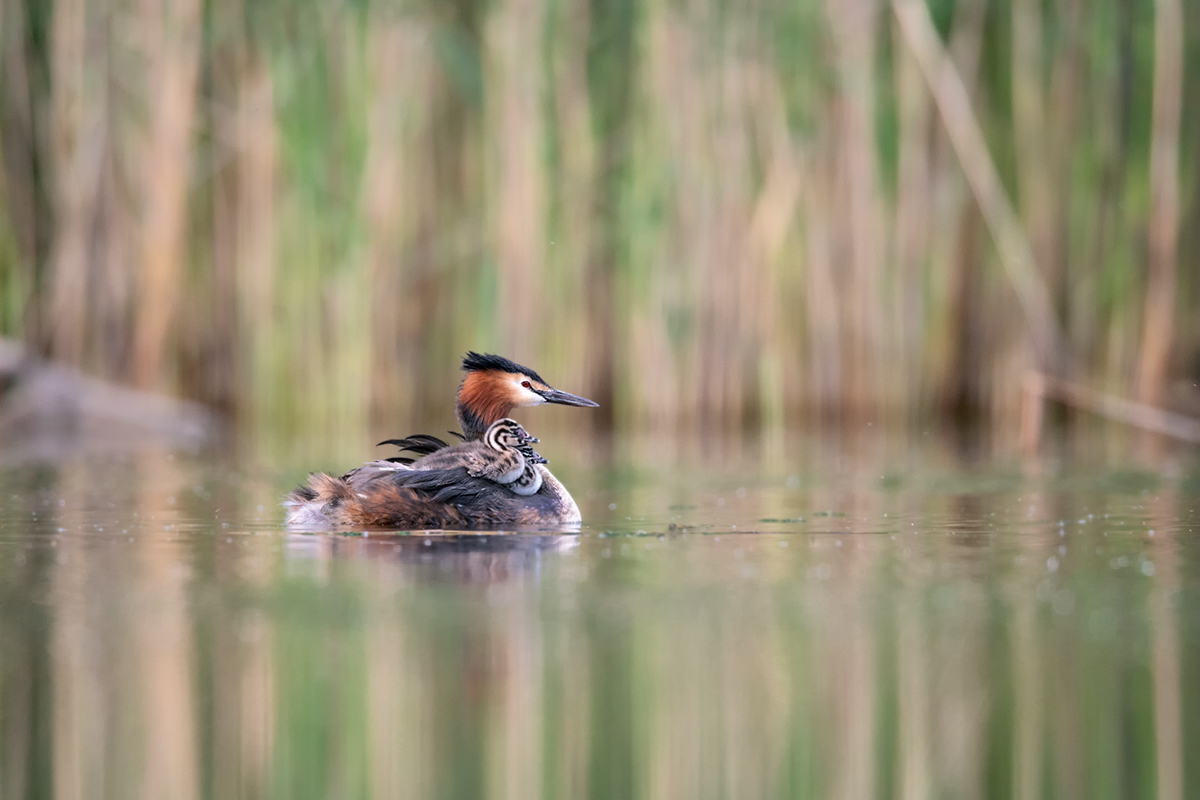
(499, 456)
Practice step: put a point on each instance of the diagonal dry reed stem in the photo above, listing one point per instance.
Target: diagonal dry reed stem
(1016, 255)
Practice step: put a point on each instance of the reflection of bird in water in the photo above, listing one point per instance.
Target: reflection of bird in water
(404, 493)
(468, 558)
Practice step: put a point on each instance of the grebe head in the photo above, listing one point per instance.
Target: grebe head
(494, 386)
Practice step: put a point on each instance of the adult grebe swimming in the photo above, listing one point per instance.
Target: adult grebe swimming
(493, 478)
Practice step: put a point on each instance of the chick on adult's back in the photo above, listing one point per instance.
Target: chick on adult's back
(504, 455)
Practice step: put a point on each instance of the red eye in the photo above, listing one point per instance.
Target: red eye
(527, 384)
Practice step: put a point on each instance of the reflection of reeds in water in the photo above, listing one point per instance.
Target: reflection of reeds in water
(1166, 657)
(699, 214)
(948, 661)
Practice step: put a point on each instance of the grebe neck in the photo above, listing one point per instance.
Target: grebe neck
(474, 420)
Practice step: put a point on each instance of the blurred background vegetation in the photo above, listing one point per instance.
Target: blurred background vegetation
(697, 213)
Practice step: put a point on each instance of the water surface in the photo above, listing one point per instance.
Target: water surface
(899, 618)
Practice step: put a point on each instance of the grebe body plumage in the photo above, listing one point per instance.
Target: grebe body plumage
(493, 478)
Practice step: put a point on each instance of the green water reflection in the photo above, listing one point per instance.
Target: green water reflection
(907, 624)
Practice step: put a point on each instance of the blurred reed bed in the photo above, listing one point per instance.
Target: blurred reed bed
(697, 213)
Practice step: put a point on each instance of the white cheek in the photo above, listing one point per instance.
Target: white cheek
(529, 398)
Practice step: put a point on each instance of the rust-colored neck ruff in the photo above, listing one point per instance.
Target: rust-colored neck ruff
(482, 399)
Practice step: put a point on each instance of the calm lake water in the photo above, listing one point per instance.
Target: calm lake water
(824, 617)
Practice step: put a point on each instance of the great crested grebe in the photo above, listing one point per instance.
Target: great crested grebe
(439, 490)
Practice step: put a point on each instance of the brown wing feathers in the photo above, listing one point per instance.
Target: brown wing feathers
(403, 498)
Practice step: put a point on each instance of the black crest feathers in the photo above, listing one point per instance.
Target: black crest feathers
(476, 362)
